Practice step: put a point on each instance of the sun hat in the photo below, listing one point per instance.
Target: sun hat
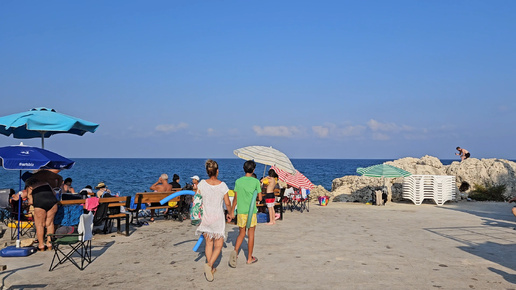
(195, 177)
(100, 185)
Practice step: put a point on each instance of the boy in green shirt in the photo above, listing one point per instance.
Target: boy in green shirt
(244, 189)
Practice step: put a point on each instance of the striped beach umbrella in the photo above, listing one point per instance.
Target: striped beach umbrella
(383, 170)
(297, 180)
(266, 155)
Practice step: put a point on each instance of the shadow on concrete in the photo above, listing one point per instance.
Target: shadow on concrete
(495, 244)
(7, 273)
(27, 286)
(98, 250)
(508, 277)
(490, 214)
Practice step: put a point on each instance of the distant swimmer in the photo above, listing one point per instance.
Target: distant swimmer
(463, 153)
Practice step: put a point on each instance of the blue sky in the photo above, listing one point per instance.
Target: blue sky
(315, 79)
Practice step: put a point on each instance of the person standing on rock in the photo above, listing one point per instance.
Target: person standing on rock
(463, 153)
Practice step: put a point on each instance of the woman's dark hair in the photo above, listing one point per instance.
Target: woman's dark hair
(211, 167)
(272, 173)
(32, 181)
(175, 177)
(249, 166)
(68, 179)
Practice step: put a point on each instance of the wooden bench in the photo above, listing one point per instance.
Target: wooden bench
(278, 206)
(113, 202)
(152, 198)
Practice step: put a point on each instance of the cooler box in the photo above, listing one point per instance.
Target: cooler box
(262, 217)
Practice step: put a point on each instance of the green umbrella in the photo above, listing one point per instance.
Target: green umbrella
(384, 171)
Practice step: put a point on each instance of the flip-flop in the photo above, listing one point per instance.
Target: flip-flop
(42, 249)
(233, 259)
(207, 273)
(253, 261)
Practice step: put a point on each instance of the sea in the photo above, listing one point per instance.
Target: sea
(128, 176)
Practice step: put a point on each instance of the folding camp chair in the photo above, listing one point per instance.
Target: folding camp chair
(297, 200)
(5, 206)
(304, 201)
(9, 215)
(79, 244)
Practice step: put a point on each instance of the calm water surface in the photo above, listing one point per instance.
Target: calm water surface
(131, 175)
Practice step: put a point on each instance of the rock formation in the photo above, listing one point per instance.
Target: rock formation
(471, 171)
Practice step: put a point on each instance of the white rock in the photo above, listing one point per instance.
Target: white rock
(472, 170)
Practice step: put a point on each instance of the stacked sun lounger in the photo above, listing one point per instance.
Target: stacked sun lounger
(440, 188)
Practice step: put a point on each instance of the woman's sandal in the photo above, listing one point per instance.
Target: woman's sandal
(42, 249)
(254, 260)
(208, 274)
(233, 259)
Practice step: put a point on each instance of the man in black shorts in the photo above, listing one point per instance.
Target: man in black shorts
(463, 153)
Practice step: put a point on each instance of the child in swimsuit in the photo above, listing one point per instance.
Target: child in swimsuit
(270, 199)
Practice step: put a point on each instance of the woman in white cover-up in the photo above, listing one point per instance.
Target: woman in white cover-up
(213, 223)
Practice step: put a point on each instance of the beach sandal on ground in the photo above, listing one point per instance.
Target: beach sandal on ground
(254, 260)
(208, 273)
(233, 259)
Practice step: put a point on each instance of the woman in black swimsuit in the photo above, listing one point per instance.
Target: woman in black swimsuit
(41, 195)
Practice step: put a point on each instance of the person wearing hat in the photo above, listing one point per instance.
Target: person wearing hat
(195, 181)
(102, 189)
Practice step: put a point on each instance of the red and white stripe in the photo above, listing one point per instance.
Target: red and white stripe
(297, 180)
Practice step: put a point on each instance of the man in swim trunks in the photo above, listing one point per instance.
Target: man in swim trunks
(161, 185)
(270, 199)
(463, 153)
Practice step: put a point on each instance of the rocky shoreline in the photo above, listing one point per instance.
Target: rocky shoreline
(352, 188)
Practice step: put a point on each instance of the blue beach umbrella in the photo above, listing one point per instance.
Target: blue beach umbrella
(21, 157)
(43, 123)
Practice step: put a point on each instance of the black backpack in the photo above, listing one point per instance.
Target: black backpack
(101, 214)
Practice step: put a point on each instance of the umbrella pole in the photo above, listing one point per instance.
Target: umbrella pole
(19, 215)
(42, 139)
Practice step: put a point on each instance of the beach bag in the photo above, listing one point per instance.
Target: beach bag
(196, 209)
